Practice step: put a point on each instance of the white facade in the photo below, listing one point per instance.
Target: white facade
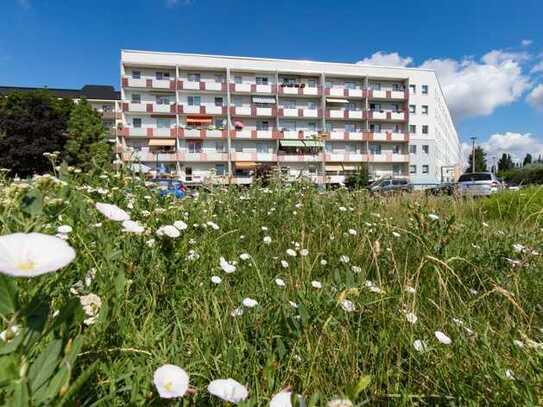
(197, 115)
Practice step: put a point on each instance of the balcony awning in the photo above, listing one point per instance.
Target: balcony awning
(161, 142)
(269, 100)
(313, 143)
(292, 143)
(199, 120)
(329, 100)
(245, 165)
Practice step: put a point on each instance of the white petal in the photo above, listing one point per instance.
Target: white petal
(112, 212)
(228, 390)
(171, 381)
(441, 337)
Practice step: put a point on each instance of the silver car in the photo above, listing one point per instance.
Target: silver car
(478, 184)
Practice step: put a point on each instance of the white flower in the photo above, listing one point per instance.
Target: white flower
(171, 381)
(342, 209)
(372, 287)
(419, 345)
(411, 317)
(64, 229)
(340, 403)
(284, 264)
(324, 262)
(441, 337)
(112, 212)
(91, 304)
(216, 280)
(518, 248)
(356, 269)
(293, 304)
(433, 216)
(344, 259)
(213, 225)
(168, 230)
(347, 305)
(131, 226)
(509, 374)
(396, 234)
(237, 312)
(291, 252)
(518, 343)
(32, 254)
(249, 302)
(281, 399)
(9, 333)
(228, 390)
(316, 284)
(304, 252)
(150, 242)
(410, 289)
(245, 256)
(267, 240)
(352, 232)
(264, 228)
(227, 267)
(179, 224)
(280, 282)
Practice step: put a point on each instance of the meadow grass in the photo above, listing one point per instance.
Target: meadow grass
(471, 269)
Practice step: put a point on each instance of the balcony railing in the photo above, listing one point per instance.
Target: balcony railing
(253, 88)
(299, 112)
(146, 107)
(201, 85)
(284, 157)
(299, 90)
(202, 133)
(388, 94)
(202, 109)
(346, 114)
(345, 92)
(254, 156)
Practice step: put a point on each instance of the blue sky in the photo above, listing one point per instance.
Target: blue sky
(48, 43)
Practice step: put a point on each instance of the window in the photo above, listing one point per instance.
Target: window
(219, 123)
(193, 100)
(194, 77)
(312, 126)
(311, 83)
(397, 170)
(261, 147)
(413, 149)
(236, 101)
(375, 107)
(136, 98)
(350, 85)
(219, 147)
(238, 79)
(107, 108)
(412, 109)
(396, 87)
(289, 104)
(375, 86)
(261, 80)
(194, 146)
(163, 123)
(162, 100)
(312, 170)
(424, 129)
(136, 74)
(412, 129)
(219, 78)
(289, 125)
(396, 128)
(424, 89)
(188, 174)
(425, 148)
(395, 149)
(413, 89)
(263, 125)
(162, 75)
(219, 101)
(136, 123)
(425, 169)
(375, 148)
(375, 127)
(311, 105)
(412, 169)
(424, 109)
(220, 169)
(351, 107)
(349, 127)
(238, 147)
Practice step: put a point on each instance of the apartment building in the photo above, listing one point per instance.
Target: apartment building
(206, 117)
(103, 98)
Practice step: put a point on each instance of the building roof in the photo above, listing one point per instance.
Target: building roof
(97, 92)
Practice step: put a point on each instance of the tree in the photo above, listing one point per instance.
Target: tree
(480, 160)
(505, 163)
(31, 123)
(360, 179)
(527, 159)
(87, 138)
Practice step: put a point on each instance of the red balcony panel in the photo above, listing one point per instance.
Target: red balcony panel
(301, 135)
(232, 87)
(346, 135)
(327, 114)
(253, 87)
(274, 89)
(406, 94)
(123, 132)
(389, 115)
(367, 136)
(233, 133)
(370, 115)
(224, 133)
(370, 93)
(327, 91)
(276, 135)
(202, 108)
(280, 112)
(173, 132)
(365, 115)
(202, 85)
(406, 137)
(253, 133)
(149, 132)
(388, 94)
(125, 107)
(172, 85)
(224, 109)
(149, 108)
(346, 92)
(203, 133)
(148, 83)
(274, 110)
(125, 82)
(179, 84)
(253, 110)
(345, 114)
(388, 136)
(173, 108)
(300, 112)
(180, 132)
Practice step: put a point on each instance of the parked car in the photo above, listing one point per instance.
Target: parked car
(478, 184)
(446, 188)
(391, 185)
(169, 187)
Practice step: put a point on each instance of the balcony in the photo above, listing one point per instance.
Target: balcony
(168, 84)
(148, 156)
(345, 157)
(388, 136)
(345, 114)
(282, 157)
(202, 133)
(344, 92)
(149, 108)
(388, 158)
(203, 156)
(387, 115)
(202, 109)
(255, 134)
(298, 90)
(388, 94)
(202, 86)
(298, 113)
(147, 132)
(254, 157)
(348, 135)
(110, 115)
(252, 88)
(241, 111)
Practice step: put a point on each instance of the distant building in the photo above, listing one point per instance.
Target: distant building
(194, 115)
(103, 99)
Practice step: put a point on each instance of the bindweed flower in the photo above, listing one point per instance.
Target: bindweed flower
(323, 262)
(293, 304)
(340, 403)
(237, 312)
(10, 333)
(33, 254)
(91, 304)
(245, 256)
(249, 302)
(411, 317)
(304, 252)
(410, 290)
(168, 230)
(353, 232)
(213, 225)
(64, 229)
(226, 266)
(291, 252)
(228, 390)
(420, 345)
(509, 374)
(171, 381)
(112, 212)
(281, 399)
(433, 216)
(284, 264)
(280, 282)
(267, 240)
(316, 284)
(131, 226)
(347, 305)
(344, 259)
(441, 337)
(216, 280)
(396, 234)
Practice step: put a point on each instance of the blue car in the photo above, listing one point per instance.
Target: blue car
(175, 188)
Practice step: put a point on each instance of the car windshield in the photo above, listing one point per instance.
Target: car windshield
(477, 176)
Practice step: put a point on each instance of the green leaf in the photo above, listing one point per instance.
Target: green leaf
(11, 346)
(44, 365)
(8, 296)
(20, 395)
(362, 384)
(32, 203)
(8, 369)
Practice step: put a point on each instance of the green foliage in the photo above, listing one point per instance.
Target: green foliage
(31, 124)
(360, 179)
(480, 160)
(527, 175)
(87, 144)
(505, 162)
(527, 160)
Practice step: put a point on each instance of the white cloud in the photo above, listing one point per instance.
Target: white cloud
(535, 97)
(537, 68)
(526, 43)
(383, 59)
(516, 144)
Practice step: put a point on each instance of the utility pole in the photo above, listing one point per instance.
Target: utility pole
(473, 154)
